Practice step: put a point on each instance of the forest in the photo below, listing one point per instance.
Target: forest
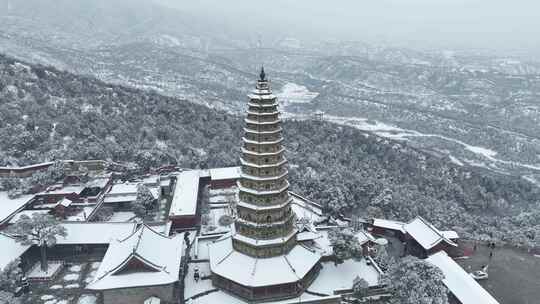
(47, 114)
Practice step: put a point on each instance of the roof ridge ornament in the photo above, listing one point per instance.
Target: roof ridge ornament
(262, 74)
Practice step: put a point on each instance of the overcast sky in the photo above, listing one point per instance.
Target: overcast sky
(508, 24)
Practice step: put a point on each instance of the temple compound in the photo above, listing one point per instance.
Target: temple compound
(260, 259)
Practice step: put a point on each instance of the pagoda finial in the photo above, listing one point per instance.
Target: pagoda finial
(262, 75)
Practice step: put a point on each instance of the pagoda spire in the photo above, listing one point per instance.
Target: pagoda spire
(262, 74)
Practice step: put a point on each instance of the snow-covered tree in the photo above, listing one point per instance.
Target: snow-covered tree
(345, 244)
(205, 206)
(360, 287)
(41, 230)
(382, 258)
(11, 275)
(7, 297)
(144, 202)
(415, 281)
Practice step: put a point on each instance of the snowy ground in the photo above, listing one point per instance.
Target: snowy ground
(52, 269)
(81, 215)
(213, 223)
(304, 210)
(122, 216)
(201, 250)
(66, 288)
(514, 275)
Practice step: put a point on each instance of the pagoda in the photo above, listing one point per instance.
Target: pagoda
(260, 260)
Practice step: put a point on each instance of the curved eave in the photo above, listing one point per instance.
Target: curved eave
(263, 208)
(262, 122)
(265, 178)
(262, 113)
(262, 192)
(263, 225)
(262, 105)
(254, 153)
(254, 142)
(265, 242)
(258, 93)
(247, 130)
(245, 163)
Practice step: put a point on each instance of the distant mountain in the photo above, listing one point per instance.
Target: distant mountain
(49, 114)
(477, 109)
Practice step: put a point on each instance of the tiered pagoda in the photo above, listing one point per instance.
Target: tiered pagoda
(265, 223)
(260, 260)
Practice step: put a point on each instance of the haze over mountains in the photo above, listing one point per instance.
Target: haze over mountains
(477, 108)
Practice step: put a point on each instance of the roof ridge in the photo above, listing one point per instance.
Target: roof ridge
(434, 229)
(225, 257)
(291, 266)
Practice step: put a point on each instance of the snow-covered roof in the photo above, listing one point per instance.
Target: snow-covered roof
(28, 213)
(28, 167)
(333, 277)
(307, 236)
(98, 182)
(9, 206)
(186, 191)
(94, 233)
(154, 191)
(306, 232)
(65, 202)
(389, 224)
(459, 282)
(123, 189)
(60, 189)
(225, 173)
(109, 199)
(254, 272)
(152, 180)
(450, 234)
(144, 258)
(11, 250)
(364, 237)
(425, 233)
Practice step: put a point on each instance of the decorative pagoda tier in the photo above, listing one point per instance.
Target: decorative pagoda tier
(264, 226)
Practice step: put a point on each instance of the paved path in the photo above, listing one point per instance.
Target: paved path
(514, 276)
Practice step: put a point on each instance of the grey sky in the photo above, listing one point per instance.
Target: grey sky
(504, 24)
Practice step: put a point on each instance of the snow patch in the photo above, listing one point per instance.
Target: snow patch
(71, 277)
(87, 299)
(294, 93)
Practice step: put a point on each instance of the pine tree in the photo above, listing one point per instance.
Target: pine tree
(345, 244)
(11, 275)
(360, 287)
(7, 297)
(144, 202)
(41, 230)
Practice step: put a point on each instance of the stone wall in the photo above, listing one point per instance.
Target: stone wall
(138, 295)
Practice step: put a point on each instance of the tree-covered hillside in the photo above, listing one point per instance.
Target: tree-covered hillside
(48, 114)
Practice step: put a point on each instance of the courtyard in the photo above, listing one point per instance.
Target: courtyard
(514, 275)
(66, 288)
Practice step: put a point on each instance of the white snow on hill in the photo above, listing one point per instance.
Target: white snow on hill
(294, 93)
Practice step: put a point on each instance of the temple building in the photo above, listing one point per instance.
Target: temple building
(260, 260)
